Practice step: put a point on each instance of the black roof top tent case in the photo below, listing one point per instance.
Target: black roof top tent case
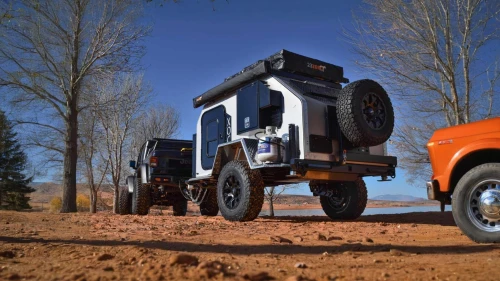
(285, 61)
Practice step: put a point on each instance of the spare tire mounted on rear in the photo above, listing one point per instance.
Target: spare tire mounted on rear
(365, 113)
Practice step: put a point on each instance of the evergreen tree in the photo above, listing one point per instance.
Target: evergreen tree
(13, 182)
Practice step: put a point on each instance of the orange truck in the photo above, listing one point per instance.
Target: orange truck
(465, 161)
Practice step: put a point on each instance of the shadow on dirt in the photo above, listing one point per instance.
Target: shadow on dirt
(434, 218)
(265, 249)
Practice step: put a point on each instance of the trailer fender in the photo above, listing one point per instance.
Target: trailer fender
(144, 170)
(242, 150)
(130, 183)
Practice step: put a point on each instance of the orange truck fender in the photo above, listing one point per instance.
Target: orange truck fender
(444, 179)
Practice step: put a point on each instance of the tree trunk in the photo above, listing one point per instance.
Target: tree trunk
(93, 201)
(115, 200)
(271, 206)
(70, 159)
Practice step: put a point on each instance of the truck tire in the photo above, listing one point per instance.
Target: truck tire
(348, 201)
(123, 201)
(365, 114)
(209, 205)
(476, 203)
(240, 192)
(180, 207)
(141, 198)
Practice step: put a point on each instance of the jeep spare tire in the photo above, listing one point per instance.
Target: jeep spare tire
(365, 113)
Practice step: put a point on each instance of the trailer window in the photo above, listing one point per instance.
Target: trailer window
(212, 141)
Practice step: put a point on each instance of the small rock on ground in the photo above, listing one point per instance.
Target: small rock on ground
(210, 269)
(14, 276)
(7, 254)
(367, 239)
(105, 257)
(280, 239)
(321, 237)
(395, 252)
(183, 259)
(300, 265)
(261, 276)
(333, 238)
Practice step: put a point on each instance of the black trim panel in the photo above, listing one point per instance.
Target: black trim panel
(368, 158)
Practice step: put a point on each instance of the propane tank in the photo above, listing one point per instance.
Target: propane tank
(271, 148)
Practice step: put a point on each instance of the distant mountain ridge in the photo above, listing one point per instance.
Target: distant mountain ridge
(398, 197)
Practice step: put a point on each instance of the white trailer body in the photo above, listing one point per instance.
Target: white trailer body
(331, 136)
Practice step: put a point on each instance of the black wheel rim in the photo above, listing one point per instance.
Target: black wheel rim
(374, 112)
(339, 199)
(231, 192)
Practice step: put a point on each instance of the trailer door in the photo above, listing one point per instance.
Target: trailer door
(213, 127)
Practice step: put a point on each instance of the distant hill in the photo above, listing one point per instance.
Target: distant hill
(297, 199)
(398, 197)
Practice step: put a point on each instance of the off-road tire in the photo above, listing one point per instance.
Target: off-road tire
(356, 197)
(180, 207)
(352, 120)
(130, 198)
(209, 206)
(141, 198)
(123, 201)
(251, 192)
(461, 203)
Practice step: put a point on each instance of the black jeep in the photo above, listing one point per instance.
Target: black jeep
(161, 169)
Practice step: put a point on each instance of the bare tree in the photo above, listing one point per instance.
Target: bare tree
(121, 101)
(273, 193)
(91, 137)
(49, 50)
(439, 58)
(158, 121)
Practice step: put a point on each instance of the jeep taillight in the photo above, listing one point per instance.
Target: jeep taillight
(153, 162)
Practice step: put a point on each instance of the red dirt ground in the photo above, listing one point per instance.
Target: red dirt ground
(103, 246)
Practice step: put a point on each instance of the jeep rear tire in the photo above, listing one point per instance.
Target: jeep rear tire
(476, 203)
(123, 201)
(240, 192)
(180, 207)
(365, 114)
(209, 205)
(348, 201)
(141, 198)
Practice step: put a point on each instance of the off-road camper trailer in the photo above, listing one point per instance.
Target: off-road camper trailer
(287, 119)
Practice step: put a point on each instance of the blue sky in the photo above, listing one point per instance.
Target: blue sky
(193, 48)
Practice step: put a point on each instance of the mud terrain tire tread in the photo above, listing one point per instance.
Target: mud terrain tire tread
(180, 207)
(209, 207)
(123, 201)
(350, 115)
(469, 180)
(252, 192)
(141, 198)
(357, 202)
